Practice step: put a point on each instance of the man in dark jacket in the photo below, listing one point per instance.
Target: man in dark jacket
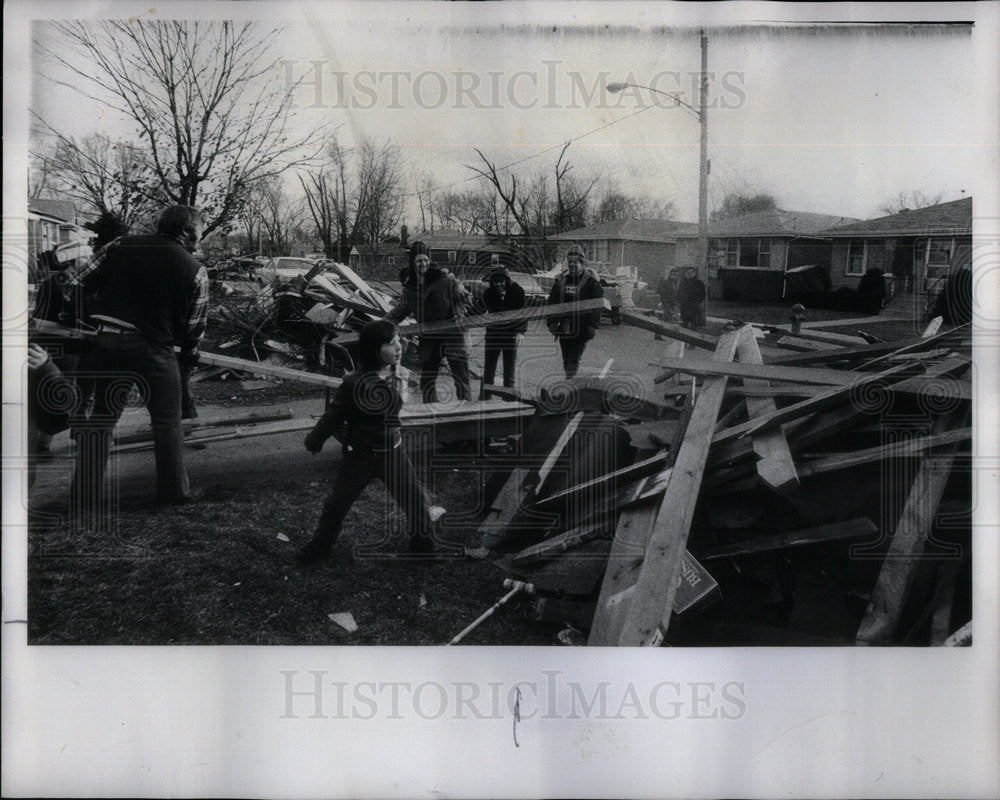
(432, 294)
(153, 295)
(691, 299)
(502, 294)
(574, 330)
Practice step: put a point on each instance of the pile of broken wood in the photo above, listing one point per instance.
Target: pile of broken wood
(808, 489)
(284, 321)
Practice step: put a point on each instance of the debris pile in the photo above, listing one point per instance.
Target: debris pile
(782, 490)
(261, 314)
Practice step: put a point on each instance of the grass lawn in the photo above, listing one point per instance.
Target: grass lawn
(218, 573)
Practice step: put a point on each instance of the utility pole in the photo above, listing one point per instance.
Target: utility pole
(703, 166)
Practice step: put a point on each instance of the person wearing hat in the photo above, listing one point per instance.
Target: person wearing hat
(575, 329)
(433, 294)
(502, 294)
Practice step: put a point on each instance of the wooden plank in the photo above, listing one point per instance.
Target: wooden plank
(257, 368)
(811, 376)
(924, 344)
(828, 337)
(798, 343)
(859, 528)
(775, 465)
(649, 611)
(612, 480)
(481, 320)
(677, 332)
(932, 327)
(556, 545)
(899, 568)
(857, 353)
(907, 447)
(556, 452)
(828, 399)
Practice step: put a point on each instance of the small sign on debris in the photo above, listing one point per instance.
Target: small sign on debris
(345, 620)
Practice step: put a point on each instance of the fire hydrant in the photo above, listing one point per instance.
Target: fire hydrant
(798, 314)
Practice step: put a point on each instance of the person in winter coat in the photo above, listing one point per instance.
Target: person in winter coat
(366, 408)
(433, 294)
(502, 294)
(574, 330)
(691, 299)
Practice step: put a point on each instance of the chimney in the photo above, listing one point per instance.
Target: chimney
(403, 236)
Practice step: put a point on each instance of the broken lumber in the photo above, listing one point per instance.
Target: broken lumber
(913, 529)
(258, 368)
(821, 534)
(677, 332)
(707, 368)
(651, 605)
(482, 320)
(775, 466)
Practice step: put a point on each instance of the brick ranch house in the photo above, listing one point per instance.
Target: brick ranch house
(920, 248)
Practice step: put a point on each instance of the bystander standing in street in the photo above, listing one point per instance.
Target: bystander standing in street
(575, 329)
(433, 294)
(667, 290)
(502, 294)
(691, 299)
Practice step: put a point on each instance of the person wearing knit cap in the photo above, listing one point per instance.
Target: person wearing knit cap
(575, 329)
(502, 294)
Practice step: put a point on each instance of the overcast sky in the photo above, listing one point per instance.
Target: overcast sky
(829, 118)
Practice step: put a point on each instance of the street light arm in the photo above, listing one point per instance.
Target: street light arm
(614, 88)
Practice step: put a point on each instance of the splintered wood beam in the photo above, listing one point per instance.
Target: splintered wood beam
(899, 449)
(651, 605)
(829, 399)
(827, 337)
(775, 465)
(925, 343)
(859, 528)
(482, 320)
(677, 332)
(899, 569)
(859, 353)
(708, 368)
(557, 545)
(258, 368)
(620, 477)
(800, 344)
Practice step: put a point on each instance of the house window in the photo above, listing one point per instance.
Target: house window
(452, 256)
(494, 259)
(472, 258)
(391, 260)
(745, 253)
(939, 252)
(863, 255)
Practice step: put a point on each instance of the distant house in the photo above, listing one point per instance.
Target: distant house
(748, 255)
(647, 244)
(919, 248)
(384, 264)
(52, 222)
(466, 255)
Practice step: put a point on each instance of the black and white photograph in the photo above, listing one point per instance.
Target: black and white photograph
(378, 377)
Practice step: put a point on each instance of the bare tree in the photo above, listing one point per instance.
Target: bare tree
(738, 205)
(615, 204)
(378, 198)
(211, 111)
(909, 201)
(108, 176)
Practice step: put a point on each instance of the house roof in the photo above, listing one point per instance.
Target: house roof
(776, 222)
(944, 219)
(455, 240)
(59, 209)
(390, 249)
(636, 230)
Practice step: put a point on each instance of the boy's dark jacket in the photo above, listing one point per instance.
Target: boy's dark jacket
(513, 299)
(580, 323)
(369, 406)
(441, 297)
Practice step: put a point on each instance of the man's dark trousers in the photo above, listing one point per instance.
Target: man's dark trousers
(572, 351)
(430, 351)
(504, 343)
(123, 361)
